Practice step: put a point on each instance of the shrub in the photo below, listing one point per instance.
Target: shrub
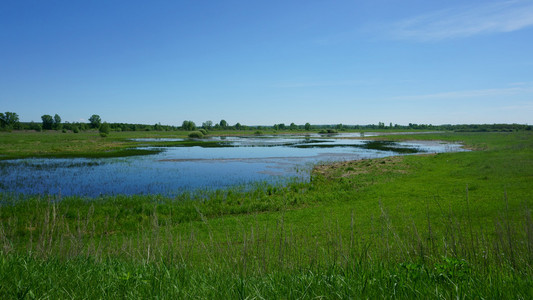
(328, 131)
(196, 134)
(75, 129)
(104, 129)
(35, 126)
(203, 131)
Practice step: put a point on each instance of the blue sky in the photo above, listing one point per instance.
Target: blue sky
(267, 62)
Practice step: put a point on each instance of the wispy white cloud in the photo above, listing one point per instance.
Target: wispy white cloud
(465, 21)
(470, 93)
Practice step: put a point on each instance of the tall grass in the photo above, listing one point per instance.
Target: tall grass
(60, 255)
(436, 226)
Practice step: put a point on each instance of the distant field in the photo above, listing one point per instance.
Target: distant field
(21, 144)
(450, 225)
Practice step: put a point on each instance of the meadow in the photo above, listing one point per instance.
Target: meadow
(422, 226)
(55, 144)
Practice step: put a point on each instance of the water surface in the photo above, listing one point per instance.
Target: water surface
(242, 160)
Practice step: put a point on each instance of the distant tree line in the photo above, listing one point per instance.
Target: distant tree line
(448, 127)
(10, 121)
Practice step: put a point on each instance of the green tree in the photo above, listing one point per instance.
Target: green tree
(9, 120)
(207, 124)
(95, 121)
(48, 121)
(293, 126)
(238, 126)
(223, 124)
(188, 125)
(57, 122)
(307, 126)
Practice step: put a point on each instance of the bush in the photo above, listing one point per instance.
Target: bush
(35, 126)
(104, 128)
(75, 129)
(258, 132)
(203, 131)
(196, 135)
(323, 131)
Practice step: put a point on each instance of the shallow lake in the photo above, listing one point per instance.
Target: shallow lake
(237, 161)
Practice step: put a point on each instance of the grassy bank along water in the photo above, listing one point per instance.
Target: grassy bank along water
(445, 225)
(23, 144)
(89, 144)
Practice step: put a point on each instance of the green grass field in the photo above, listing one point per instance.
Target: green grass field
(451, 225)
(23, 144)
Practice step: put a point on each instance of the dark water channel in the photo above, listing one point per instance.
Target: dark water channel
(236, 161)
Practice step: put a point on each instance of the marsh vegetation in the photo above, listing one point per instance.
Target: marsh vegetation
(178, 165)
(439, 225)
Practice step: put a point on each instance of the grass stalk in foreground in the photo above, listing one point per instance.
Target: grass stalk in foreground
(448, 225)
(266, 259)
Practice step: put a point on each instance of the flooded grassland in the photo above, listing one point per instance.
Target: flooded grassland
(176, 165)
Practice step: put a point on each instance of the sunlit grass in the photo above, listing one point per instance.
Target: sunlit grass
(449, 225)
(22, 144)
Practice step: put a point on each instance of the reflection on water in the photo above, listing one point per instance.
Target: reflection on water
(176, 169)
